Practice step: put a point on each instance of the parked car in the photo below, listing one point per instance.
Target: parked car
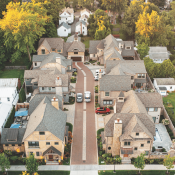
(74, 70)
(87, 96)
(79, 97)
(96, 78)
(97, 72)
(102, 110)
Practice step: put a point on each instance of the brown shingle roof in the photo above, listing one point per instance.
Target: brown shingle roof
(76, 45)
(35, 73)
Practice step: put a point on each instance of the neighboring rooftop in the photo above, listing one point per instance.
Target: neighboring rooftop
(8, 82)
(165, 81)
(70, 39)
(93, 46)
(81, 21)
(64, 25)
(68, 10)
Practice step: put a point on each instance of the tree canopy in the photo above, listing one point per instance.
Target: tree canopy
(22, 26)
(4, 162)
(168, 162)
(99, 25)
(143, 50)
(139, 162)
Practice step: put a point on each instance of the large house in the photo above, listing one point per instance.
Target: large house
(158, 54)
(66, 15)
(71, 50)
(63, 30)
(135, 69)
(164, 85)
(84, 15)
(46, 132)
(111, 49)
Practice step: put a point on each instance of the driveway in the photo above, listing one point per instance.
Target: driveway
(84, 146)
(73, 25)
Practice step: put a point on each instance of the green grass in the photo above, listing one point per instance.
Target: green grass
(40, 173)
(125, 172)
(85, 40)
(66, 162)
(14, 73)
(99, 161)
(118, 25)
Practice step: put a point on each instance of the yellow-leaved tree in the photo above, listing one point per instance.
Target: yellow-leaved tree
(23, 25)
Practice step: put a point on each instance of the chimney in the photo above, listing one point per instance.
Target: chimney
(58, 60)
(100, 74)
(55, 103)
(58, 81)
(80, 27)
(116, 136)
(76, 37)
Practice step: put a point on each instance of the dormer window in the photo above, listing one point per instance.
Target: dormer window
(128, 48)
(75, 51)
(53, 49)
(58, 50)
(43, 51)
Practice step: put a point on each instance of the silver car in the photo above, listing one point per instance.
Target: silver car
(79, 97)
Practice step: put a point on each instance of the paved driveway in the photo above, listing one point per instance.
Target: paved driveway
(73, 26)
(84, 147)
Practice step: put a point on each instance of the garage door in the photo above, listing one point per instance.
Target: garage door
(76, 58)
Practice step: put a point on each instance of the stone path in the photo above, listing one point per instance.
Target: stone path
(70, 113)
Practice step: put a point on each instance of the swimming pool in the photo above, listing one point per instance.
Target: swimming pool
(157, 138)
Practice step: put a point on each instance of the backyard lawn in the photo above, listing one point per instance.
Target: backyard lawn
(13, 73)
(125, 172)
(40, 173)
(85, 40)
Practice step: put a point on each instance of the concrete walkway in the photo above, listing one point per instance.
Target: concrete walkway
(89, 168)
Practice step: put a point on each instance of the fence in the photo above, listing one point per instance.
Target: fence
(158, 155)
(16, 67)
(21, 105)
(137, 57)
(149, 82)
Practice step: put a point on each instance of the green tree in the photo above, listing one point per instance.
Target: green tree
(4, 162)
(22, 26)
(51, 30)
(167, 68)
(32, 164)
(139, 162)
(168, 162)
(143, 50)
(22, 96)
(158, 2)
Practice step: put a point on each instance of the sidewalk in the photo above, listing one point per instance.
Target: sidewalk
(87, 167)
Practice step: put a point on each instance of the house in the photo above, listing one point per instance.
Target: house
(84, 18)
(66, 15)
(133, 68)
(164, 85)
(46, 133)
(71, 50)
(47, 82)
(158, 54)
(81, 27)
(63, 30)
(111, 49)
(70, 39)
(11, 139)
(85, 12)
(52, 60)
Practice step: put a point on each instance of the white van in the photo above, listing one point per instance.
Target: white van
(87, 96)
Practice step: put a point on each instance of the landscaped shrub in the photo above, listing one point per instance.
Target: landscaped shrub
(10, 120)
(98, 63)
(97, 105)
(70, 126)
(111, 107)
(73, 80)
(96, 89)
(22, 96)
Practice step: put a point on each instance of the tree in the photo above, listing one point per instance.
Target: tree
(132, 14)
(168, 162)
(143, 50)
(139, 162)
(32, 164)
(158, 2)
(4, 162)
(22, 96)
(167, 68)
(51, 31)
(22, 26)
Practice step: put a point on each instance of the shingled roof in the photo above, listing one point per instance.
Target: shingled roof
(76, 45)
(93, 46)
(165, 81)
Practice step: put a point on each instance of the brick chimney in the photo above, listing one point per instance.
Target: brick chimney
(116, 136)
(55, 103)
(58, 81)
(58, 60)
(81, 27)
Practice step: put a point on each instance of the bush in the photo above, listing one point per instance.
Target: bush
(173, 62)
(96, 89)
(70, 126)
(73, 80)
(164, 150)
(97, 105)
(98, 63)
(22, 96)
(10, 120)
(111, 107)
(81, 35)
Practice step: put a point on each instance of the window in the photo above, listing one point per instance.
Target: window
(66, 18)
(139, 76)
(126, 143)
(137, 134)
(13, 144)
(155, 109)
(147, 109)
(151, 109)
(106, 93)
(135, 148)
(132, 77)
(143, 75)
(107, 102)
(58, 50)
(56, 143)
(154, 119)
(30, 152)
(146, 153)
(43, 51)
(128, 48)
(120, 98)
(8, 99)
(75, 52)
(33, 144)
(19, 144)
(47, 143)
(35, 84)
(27, 79)
(94, 55)
(83, 27)
(37, 153)
(148, 141)
(41, 133)
(170, 87)
(35, 64)
(109, 148)
(142, 145)
(64, 29)
(83, 32)
(53, 49)
(49, 88)
(6, 144)
(43, 88)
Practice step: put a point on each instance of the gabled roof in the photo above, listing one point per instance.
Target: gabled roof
(51, 43)
(67, 10)
(45, 117)
(93, 46)
(121, 94)
(65, 25)
(81, 21)
(53, 149)
(115, 83)
(84, 10)
(165, 81)
(70, 39)
(112, 53)
(35, 73)
(76, 45)
(101, 45)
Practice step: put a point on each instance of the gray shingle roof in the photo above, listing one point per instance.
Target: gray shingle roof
(165, 81)
(101, 45)
(46, 117)
(53, 149)
(138, 80)
(152, 100)
(9, 133)
(112, 53)
(162, 88)
(93, 46)
(81, 21)
(121, 94)
(64, 25)
(115, 83)
(35, 73)
(125, 52)
(70, 39)
(39, 58)
(76, 45)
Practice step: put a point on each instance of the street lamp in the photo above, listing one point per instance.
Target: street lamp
(114, 165)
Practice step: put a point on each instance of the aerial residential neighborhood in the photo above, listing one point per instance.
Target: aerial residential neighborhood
(87, 87)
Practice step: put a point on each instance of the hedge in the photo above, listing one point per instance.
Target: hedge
(10, 120)
(22, 96)
(70, 126)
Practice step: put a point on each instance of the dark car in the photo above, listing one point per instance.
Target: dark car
(102, 110)
(74, 70)
(79, 97)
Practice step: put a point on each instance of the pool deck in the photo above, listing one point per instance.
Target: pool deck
(166, 140)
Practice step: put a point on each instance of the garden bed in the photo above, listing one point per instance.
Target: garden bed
(73, 80)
